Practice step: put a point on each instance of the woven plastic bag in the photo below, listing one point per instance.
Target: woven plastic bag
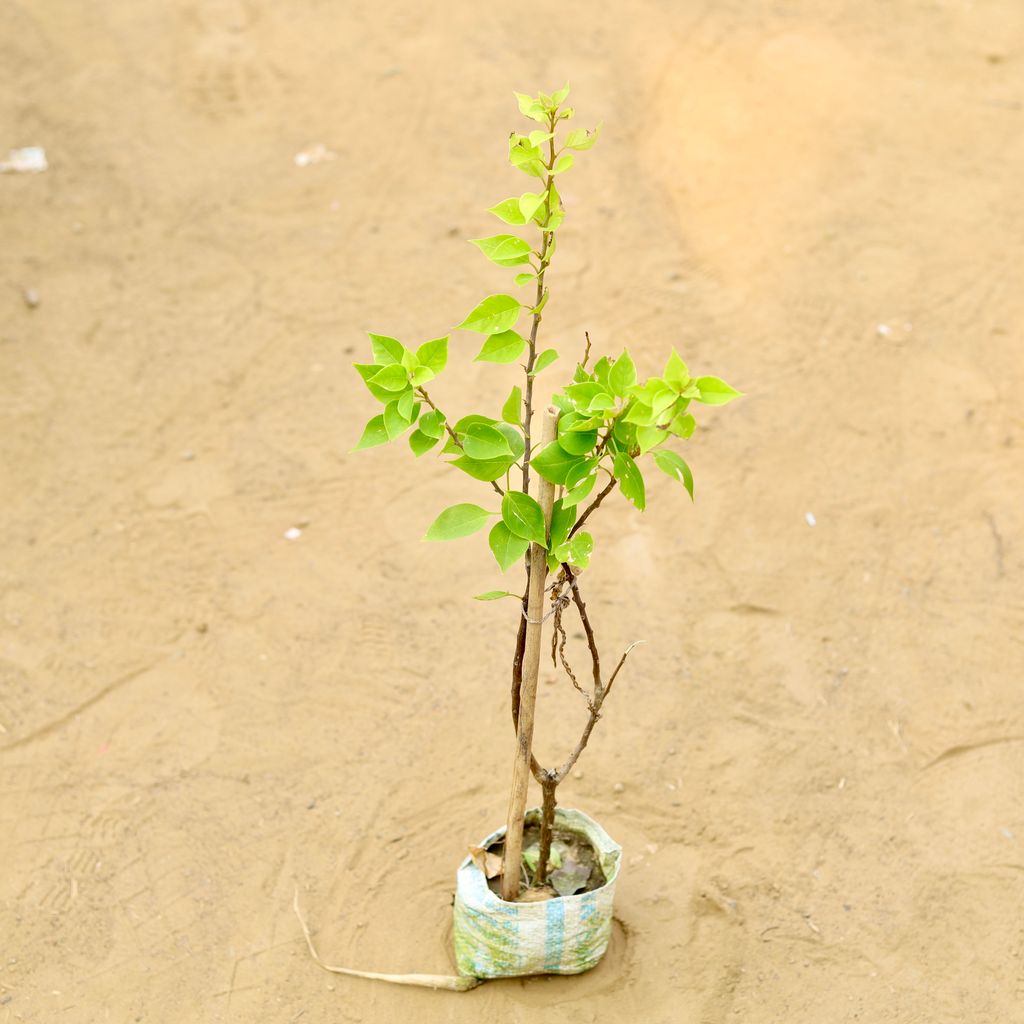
(564, 935)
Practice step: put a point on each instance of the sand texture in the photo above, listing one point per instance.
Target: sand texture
(815, 764)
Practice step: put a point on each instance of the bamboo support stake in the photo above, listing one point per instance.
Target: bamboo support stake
(528, 687)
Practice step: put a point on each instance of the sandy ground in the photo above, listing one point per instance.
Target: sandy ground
(821, 747)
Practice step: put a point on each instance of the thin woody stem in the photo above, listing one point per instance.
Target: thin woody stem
(451, 433)
(535, 326)
(609, 487)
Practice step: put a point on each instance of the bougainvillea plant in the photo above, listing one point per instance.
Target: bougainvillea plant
(606, 428)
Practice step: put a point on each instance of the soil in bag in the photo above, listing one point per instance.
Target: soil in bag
(573, 865)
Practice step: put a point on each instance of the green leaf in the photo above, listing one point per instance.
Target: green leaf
(575, 442)
(580, 549)
(537, 137)
(630, 479)
(624, 435)
(494, 595)
(673, 465)
(676, 374)
(562, 519)
(432, 423)
(622, 375)
(515, 439)
(528, 159)
(386, 350)
(584, 393)
(524, 517)
(543, 361)
(558, 98)
(505, 347)
(563, 163)
(530, 107)
(406, 405)
(368, 371)
(391, 378)
(602, 372)
(483, 442)
(531, 857)
(581, 470)
(433, 354)
(580, 138)
(511, 411)
(421, 443)
(587, 423)
(554, 462)
(395, 421)
(522, 279)
(530, 203)
(505, 250)
(640, 414)
(458, 521)
(649, 437)
(509, 211)
(714, 391)
(506, 546)
(580, 375)
(562, 403)
(554, 199)
(483, 469)
(420, 376)
(374, 433)
(495, 314)
(657, 394)
(576, 494)
(683, 425)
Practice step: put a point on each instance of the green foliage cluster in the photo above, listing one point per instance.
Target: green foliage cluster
(611, 423)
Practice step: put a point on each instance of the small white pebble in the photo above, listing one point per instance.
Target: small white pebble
(883, 330)
(842, 783)
(1007, 833)
(618, 787)
(293, 533)
(31, 297)
(578, 776)
(187, 456)
(811, 521)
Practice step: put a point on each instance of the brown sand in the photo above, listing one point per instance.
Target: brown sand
(821, 747)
